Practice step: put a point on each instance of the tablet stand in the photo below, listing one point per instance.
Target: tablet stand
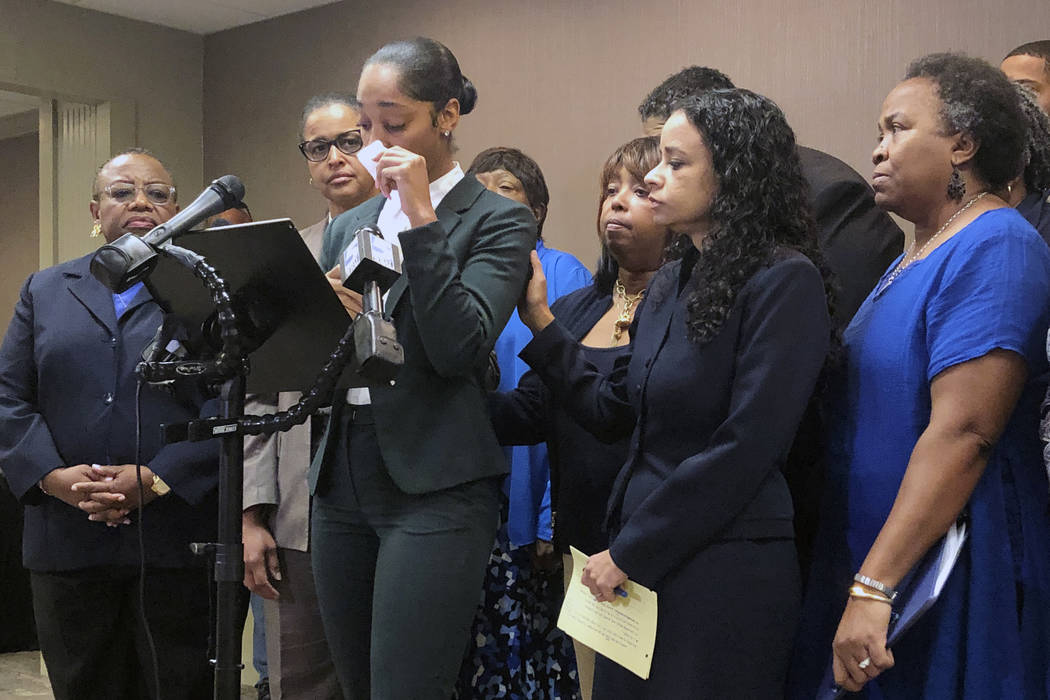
(272, 294)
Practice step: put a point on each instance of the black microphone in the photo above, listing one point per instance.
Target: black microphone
(165, 346)
(131, 259)
(369, 266)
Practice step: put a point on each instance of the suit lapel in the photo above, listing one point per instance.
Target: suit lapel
(459, 199)
(366, 213)
(96, 298)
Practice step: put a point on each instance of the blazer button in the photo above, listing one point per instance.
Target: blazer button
(108, 398)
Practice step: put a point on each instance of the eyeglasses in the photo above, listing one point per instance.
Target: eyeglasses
(317, 150)
(156, 193)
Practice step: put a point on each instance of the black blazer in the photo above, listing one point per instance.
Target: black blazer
(712, 424)
(859, 240)
(67, 396)
(462, 276)
(583, 469)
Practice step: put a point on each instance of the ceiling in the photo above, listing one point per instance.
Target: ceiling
(198, 16)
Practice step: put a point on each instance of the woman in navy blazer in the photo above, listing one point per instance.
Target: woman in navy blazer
(726, 352)
(67, 446)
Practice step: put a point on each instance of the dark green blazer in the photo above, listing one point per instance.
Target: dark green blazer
(462, 276)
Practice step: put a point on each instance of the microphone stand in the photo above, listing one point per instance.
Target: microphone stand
(230, 367)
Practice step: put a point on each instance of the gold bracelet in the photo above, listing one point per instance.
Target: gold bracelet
(856, 591)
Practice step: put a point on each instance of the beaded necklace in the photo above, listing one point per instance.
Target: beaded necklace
(911, 257)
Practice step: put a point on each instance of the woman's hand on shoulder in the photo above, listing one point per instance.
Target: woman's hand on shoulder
(859, 651)
(532, 307)
(402, 170)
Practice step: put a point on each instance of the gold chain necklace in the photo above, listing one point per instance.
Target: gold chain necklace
(629, 300)
(912, 257)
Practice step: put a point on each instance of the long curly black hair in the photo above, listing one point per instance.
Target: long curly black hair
(762, 202)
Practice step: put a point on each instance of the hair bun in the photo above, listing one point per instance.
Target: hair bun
(468, 96)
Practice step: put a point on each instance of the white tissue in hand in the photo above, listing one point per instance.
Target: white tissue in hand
(367, 156)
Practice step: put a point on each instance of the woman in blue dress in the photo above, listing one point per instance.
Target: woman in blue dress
(937, 414)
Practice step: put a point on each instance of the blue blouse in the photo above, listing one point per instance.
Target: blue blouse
(528, 486)
(986, 288)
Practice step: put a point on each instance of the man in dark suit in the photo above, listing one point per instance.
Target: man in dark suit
(859, 240)
(68, 439)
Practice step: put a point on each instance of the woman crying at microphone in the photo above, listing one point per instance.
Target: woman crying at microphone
(406, 484)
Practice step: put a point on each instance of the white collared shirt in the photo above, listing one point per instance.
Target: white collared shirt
(392, 221)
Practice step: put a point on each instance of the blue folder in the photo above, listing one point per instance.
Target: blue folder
(919, 590)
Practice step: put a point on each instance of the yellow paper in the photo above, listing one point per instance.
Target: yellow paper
(623, 630)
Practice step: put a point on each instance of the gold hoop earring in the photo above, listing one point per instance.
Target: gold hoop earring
(311, 182)
(96, 229)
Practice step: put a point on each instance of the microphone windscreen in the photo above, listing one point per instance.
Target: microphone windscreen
(232, 189)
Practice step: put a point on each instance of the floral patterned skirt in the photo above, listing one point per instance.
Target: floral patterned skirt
(516, 649)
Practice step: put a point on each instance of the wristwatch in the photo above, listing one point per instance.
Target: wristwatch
(159, 487)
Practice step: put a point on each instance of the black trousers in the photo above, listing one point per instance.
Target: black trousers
(398, 575)
(17, 629)
(93, 642)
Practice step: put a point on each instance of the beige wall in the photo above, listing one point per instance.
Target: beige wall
(561, 79)
(19, 224)
(52, 48)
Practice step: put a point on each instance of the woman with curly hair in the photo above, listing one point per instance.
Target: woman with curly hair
(726, 352)
(937, 416)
